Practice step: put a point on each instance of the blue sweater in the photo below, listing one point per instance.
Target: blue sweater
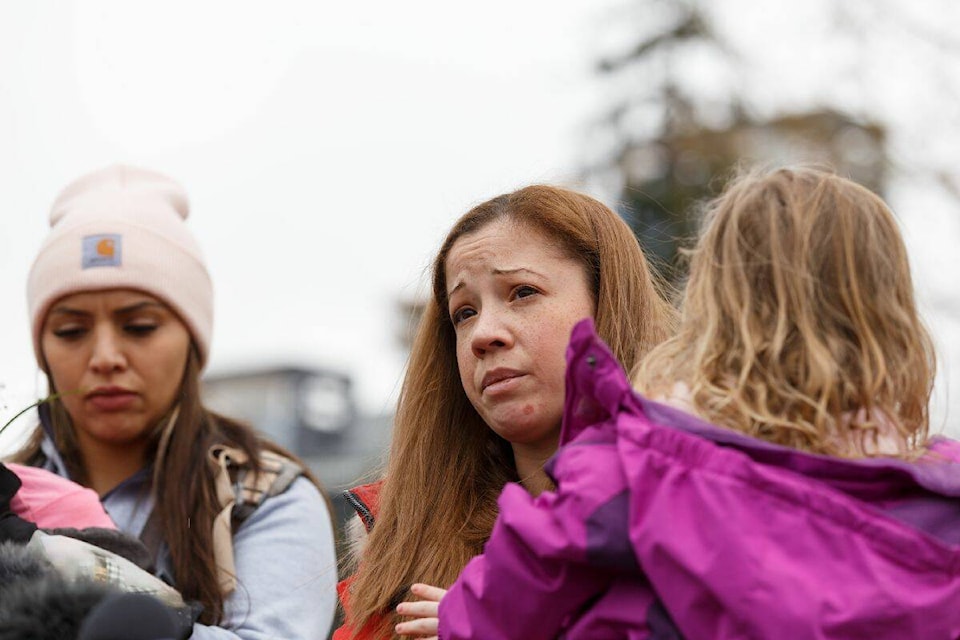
(284, 554)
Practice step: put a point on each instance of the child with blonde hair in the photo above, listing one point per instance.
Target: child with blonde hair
(799, 321)
(782, 485)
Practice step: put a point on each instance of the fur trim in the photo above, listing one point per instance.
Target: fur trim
(36, 603)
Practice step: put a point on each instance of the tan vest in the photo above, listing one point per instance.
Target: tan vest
(240, 492)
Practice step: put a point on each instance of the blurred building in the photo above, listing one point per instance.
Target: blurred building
(409, 312)
(310, 411)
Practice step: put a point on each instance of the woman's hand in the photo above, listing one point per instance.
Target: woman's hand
(425, 611)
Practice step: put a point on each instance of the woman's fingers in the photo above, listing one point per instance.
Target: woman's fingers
(425, 612)
(419, 628)
(419, 609)
(427, 592)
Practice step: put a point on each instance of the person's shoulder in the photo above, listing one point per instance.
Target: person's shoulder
(252, 484)
(365, 500)
(297, 516)
(300, 493)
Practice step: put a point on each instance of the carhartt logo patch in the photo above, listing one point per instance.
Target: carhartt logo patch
(101, 250)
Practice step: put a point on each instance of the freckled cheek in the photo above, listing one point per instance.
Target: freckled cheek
(465, 368)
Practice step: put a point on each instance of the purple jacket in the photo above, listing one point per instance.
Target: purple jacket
(664, 526)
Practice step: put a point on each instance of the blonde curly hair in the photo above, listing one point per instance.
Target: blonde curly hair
(799, 324)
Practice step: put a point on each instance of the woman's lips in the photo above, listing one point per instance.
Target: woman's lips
(500, 381)
(111, 399)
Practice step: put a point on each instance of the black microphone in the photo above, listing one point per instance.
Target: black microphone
(130, 616)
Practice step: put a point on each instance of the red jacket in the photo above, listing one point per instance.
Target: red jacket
(365, 500)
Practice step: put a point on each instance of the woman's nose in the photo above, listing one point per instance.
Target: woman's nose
(491, 331)
(107, 352)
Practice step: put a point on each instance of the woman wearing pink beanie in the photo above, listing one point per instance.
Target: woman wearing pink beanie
(121, 309)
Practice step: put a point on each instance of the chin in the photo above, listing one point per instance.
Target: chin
(118, 433)
(530, 433)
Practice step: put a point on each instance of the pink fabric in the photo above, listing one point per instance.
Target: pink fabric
(50, 501)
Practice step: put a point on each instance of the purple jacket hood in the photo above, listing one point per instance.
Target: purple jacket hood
(664, 526)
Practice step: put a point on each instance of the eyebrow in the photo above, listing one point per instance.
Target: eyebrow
(497, 272)
(137, 306)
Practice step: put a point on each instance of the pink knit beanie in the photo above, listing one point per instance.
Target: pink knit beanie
(123, 228)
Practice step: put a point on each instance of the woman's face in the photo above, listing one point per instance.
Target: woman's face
(514, 297)
(118, 356)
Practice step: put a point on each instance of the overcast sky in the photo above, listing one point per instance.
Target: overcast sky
(326, 148)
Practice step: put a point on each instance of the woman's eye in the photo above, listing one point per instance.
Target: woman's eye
(524, 291)
(461, 314)
(140, 329)
(68, 332)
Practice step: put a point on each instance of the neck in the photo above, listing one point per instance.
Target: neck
(530, 461)
(107, 465)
